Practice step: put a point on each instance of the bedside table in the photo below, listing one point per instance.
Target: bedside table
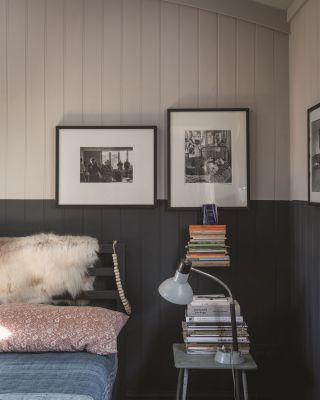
(184, 362)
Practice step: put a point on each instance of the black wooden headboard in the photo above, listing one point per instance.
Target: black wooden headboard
(105, 293)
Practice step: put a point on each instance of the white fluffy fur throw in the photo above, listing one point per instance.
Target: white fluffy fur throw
(33, 269)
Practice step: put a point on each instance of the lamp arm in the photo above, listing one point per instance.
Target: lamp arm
(215, 279)
(232, 306)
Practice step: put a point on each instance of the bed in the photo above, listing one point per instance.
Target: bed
(70, 375)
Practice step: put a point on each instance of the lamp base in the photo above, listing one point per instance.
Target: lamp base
(228, 357)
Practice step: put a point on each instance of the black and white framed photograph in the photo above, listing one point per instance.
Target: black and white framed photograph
(102, 165)
(314, 155)
(208, 157)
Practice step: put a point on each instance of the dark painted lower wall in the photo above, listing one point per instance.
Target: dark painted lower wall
(305, 297)
(155, 239)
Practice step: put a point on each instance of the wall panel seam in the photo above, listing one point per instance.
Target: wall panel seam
(275, 172)
(179, 53)
(83, 56)
(121, 63)
(198, 57)
(102, 60)
(64, 45)
(44, 173)
(26, 98)
(7, 106)
(218, 64)
(140, 60)
(236, 62)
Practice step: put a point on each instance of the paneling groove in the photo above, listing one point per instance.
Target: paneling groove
(126, 62)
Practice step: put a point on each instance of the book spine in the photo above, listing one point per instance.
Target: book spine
(216, 314)
(214, 340)
(206, 227)
(213, 319)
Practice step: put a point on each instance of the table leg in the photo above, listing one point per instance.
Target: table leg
(179, 384)
(185, 384)
(245, 386)
(237, 383)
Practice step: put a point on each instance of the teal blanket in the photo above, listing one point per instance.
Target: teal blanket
(56, 376)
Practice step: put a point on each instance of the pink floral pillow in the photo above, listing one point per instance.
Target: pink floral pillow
(41, 328)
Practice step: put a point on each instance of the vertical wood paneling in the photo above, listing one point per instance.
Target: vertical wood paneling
(150, 62)
(264, 156)
(169, 80)
(131, 63)
(92, 222)
(298, 111)
(188, 61)
(311, 52)
(35, 118)
(3, 225)
(15, 218)
(92, 65)
(34, 216)
(111, 62)
(131, 236)
(245, 81)
(150, 264)
(73, 57)
(154, 241)
(282, 133)
(305, 294)
(111, 225)
(73, 79)
(126, 62)
(226, 61)
(92, 90)
(169, 257)
(318, 41)
(208, 66)
(245, 64)
(150, 72)
(16, 75)
(53, 88)
(3, 97)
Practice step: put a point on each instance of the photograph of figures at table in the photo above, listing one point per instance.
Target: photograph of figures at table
(106, 164)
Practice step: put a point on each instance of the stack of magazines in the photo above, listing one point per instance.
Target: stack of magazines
(208, 326)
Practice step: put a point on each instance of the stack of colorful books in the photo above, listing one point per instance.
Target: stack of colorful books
(207, 246)
(208, 326)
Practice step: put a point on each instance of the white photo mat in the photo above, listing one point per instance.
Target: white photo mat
(233, 193)
(138, 191)
(314, 154)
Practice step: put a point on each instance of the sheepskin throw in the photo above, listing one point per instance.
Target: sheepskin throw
(33, 269)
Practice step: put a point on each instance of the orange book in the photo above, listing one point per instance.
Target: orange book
(207, 227)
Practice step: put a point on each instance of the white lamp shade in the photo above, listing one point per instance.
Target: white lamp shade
(176, 290)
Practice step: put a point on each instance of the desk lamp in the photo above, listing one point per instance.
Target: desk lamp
(177, 290)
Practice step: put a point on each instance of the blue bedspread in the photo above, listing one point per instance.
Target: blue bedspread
(56, 376)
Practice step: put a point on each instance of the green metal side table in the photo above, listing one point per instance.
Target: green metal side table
(184, 362)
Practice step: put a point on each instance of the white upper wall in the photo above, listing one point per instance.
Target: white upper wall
(282, 4)
(304, 89)
(124, 62)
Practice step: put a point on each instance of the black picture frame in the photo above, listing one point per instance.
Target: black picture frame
(59, 128)
(311, 118)
(246, 111)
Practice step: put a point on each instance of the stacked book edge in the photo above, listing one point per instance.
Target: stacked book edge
(207, 326)
(207, 246)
